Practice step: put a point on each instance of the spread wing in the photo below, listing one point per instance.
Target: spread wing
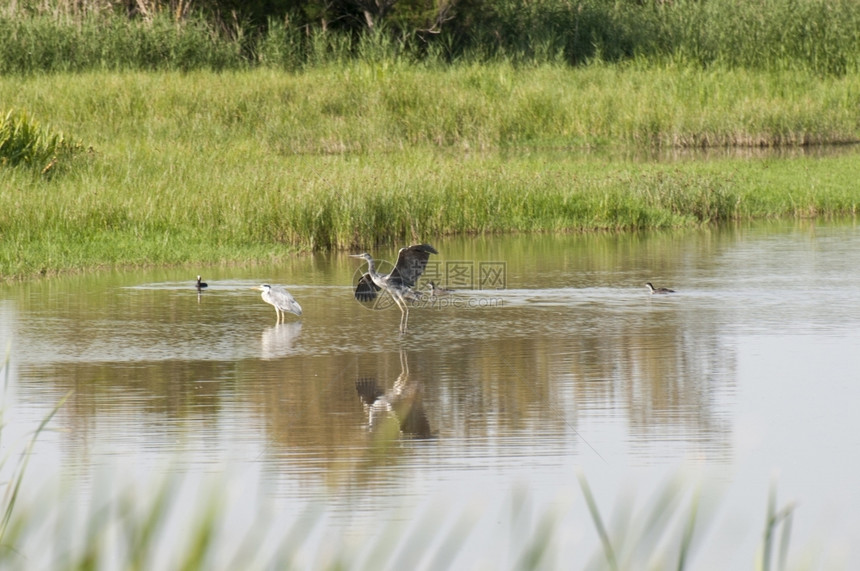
(366, 290)
(367, 390)
(411, 262)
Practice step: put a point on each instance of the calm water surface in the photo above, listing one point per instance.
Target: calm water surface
(550, 358)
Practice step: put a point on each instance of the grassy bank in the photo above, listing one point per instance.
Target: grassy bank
(178, 168)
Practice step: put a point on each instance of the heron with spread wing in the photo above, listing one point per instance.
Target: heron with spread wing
(411, 262)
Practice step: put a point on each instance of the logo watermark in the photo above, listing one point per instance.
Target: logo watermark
(465, 274)
(460, 302)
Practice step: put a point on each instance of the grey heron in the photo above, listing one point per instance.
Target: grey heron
(653, 289)
(411, 262)
(200, 283)
(280, 299)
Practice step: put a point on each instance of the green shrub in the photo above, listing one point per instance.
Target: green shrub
(24, 140)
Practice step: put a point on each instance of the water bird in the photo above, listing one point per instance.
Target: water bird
(200, 283)
(436, 290)
(411, 262)
(653, 289)
(281, 299)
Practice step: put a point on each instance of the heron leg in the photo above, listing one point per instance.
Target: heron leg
(404, 312)
(404, 364)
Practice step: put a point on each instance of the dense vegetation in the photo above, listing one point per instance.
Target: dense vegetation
(202, 167)
(818, 35)
(24, 140)
(158, 132)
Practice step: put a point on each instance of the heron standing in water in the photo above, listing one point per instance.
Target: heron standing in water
(411, 262)
(653, 289)
(281, 299)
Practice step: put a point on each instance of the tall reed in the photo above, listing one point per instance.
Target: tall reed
(107, 41)
(821, 36)
(203, 167)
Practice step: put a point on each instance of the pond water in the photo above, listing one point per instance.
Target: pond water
(551, 359)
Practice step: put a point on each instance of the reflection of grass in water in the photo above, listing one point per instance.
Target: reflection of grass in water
(128, 532)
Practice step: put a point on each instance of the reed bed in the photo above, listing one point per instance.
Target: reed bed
(370, 108)
(821, 36)
(173, 168)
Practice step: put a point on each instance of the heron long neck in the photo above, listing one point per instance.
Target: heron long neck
(371, 268)
(379, 279)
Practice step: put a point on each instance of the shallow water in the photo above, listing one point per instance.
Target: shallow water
(550, 357)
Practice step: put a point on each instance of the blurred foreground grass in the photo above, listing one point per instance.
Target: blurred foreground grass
(183, 522)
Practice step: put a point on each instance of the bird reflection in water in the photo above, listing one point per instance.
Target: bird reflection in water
(200, 285)
(278, 340)
(398, 410)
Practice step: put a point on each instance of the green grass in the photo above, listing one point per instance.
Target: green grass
(221, 167)
(818, 36)
(164, 521)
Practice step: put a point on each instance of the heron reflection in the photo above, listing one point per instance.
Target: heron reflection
(278, 340)
(399, 408)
